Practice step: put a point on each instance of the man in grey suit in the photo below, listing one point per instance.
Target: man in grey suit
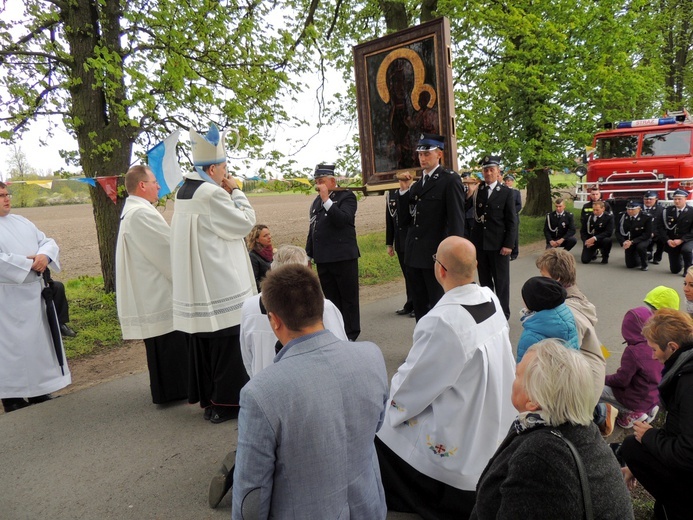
(307, 422)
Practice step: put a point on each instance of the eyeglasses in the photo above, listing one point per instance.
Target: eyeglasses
(441, 265)
(5, 196)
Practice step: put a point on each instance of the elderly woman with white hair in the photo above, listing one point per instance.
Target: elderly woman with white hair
(553, 463)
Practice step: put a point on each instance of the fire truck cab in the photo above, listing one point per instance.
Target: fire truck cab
(639, 156)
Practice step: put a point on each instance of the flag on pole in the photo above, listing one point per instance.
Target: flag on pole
(163, 162)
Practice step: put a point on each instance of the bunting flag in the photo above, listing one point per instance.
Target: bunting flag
(110, 186)
(163, 161)
(590, 149)
(87, 180)
(301, 180)
(43, 184)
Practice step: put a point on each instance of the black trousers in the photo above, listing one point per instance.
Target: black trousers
(167, 361)
(340, 284)
(603, 245)
(426, 290)
(659, 251)
(410, 491)
(568, 243)
(637, 254)
(494, 273)
(60, 301)
(670, 488)
(409, 304)
(680, 254)
(216, 369)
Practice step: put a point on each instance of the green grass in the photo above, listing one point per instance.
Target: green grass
(375, 265)
(93, 316)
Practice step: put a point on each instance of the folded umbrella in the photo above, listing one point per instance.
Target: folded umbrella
(53, 325)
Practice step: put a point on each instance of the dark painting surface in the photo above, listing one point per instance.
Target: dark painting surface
(404, 102)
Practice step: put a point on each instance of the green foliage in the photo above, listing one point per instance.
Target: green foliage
(93, 316)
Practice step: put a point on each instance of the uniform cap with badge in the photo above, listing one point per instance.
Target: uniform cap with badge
(509, 177)
(681, 193)
(429, 142)
(324, 170)
(650, 195)
(489, 160)
(632, 204)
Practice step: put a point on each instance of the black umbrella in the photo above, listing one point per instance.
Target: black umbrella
(47, 294)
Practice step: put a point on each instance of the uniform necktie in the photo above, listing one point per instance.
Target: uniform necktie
(678, 213)
(424, 180)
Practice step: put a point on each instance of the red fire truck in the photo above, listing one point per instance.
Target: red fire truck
(638, 156)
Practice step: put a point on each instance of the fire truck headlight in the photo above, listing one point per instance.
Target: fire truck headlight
(660, 176)
(581, 171)
(600, 179)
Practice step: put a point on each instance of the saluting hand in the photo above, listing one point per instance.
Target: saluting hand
(323, 192)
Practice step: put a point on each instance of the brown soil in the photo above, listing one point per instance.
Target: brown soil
(74, 229)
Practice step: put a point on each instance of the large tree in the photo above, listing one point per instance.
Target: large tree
(119, 72)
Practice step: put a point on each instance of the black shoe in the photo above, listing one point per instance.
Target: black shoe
(224, 413)
(67, 332)
(222, 482)
(655, 262)
(643, 268)
(605, 260)
(513, 258)
(40, 399)
(412, 314)
(649, 257)
(13, 404)
(402, 312)
(208, 413)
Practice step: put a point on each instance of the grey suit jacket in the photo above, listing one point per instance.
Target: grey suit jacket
(306, 430)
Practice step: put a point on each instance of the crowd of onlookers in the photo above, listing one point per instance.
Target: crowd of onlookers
(469, 426)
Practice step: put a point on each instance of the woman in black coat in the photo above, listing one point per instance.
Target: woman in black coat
(534, 474)
(661, 459)
(260, 250)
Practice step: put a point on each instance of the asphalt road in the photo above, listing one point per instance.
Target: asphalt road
(108, 453)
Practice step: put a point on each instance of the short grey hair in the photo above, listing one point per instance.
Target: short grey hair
(289, 254)
(559, 380)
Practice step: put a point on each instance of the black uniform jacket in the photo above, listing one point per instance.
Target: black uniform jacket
(655, 212)
(436, 211)
(395, 229)
(495, 218)
(556, 227)
(332, 234)
(680, 227)
(601, 229)
(634, 229)
(587, 211)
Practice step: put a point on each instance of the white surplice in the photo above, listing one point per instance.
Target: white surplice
(143, 271)
(28, 363)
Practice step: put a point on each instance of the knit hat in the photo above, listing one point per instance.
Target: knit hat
(662, 297)
(541, 293)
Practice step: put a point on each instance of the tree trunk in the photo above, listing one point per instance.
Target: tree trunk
(99, 116)
(395, 15)
(428, 10)
(538, 201)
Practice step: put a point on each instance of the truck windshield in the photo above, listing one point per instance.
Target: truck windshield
(616, 146)
(666, 143)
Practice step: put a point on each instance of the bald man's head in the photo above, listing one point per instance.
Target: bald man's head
(458, 256)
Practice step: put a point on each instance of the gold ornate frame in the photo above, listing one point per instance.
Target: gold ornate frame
(404, 89)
